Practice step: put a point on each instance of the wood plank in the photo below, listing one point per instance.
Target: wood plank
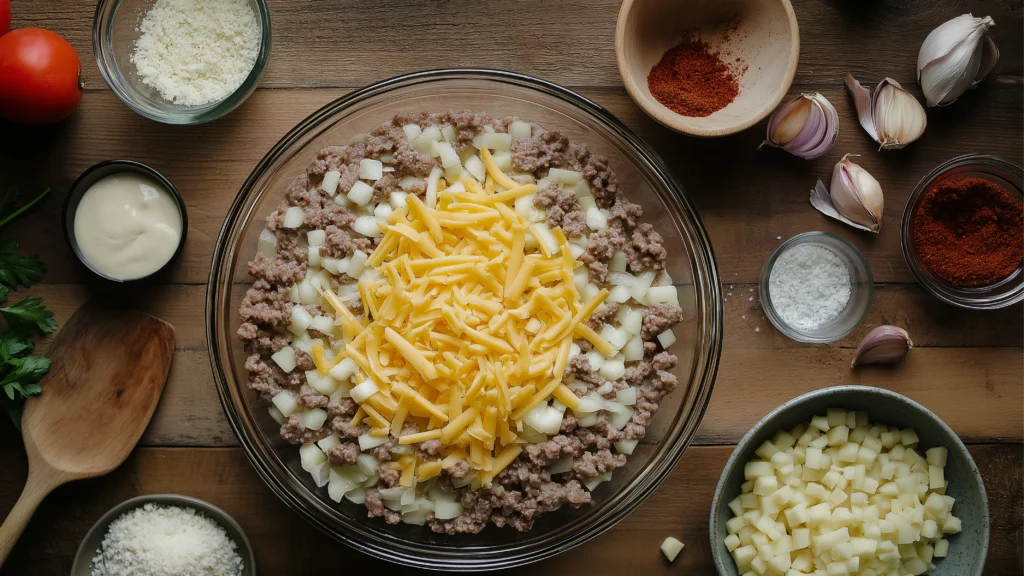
(977, 391)
(285, 544)
(352, 43)
(208, 164)
(751, 382)
(930, 323)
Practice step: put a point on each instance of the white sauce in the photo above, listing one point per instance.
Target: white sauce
(127, 225)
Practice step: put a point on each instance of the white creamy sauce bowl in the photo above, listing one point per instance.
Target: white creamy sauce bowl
(124, 220)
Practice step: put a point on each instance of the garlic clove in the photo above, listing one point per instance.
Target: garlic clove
(862, 102)
(899, 117)
(806, 126)
(989, 59)
(950, 59)
(883, 345)
(789, 121)
(890, 115)
(855, 197)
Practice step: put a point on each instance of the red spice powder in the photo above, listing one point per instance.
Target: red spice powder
(692, 80)
(969, 231)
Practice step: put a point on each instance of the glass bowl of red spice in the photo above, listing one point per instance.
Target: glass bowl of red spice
(963, 232)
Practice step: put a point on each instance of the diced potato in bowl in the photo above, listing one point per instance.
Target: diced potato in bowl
(850, 481)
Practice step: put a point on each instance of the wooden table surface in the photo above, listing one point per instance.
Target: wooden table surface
(967, 366)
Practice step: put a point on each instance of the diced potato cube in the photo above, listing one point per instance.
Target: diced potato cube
(796, 515)
(829, 540)
(783, 440)
(821, 423)
(937, 456)
(818, 514)
(837, 497)
(908, 437)
(951, 525)
(907, 534)
(671, 548)
(744, 555)
(836, 417)
(941, 548)
(757, 469)
(848, 453)
(936, 479)
(733, 525)
(732, 542)
(838, 435)
(801, 538)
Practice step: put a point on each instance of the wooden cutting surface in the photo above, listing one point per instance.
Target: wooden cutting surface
(968, 366)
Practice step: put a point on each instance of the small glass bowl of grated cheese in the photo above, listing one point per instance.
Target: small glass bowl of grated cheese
(816, 287)
(147, 51)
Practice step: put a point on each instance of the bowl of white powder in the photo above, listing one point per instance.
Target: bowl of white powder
(165, 535)
(182, 61)
(816, 287)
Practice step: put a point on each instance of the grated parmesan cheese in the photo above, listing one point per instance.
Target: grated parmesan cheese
(196, 52)
(159, 540)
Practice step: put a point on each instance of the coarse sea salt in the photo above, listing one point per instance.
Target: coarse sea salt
(809, 286)
(157, 540)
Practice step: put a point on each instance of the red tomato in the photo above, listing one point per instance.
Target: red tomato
(5, 16)
(40, 76)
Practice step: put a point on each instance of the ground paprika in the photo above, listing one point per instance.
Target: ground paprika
(692, 80)
(969, 231)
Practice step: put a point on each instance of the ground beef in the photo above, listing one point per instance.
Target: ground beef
(310, 398)
(601, 247)
(383, 188)
(525, 489)
(658, 318)
(343, 454)
(624, 215)
(335, 158)
(342, 425)
(340, 243)
(540, 153)
(293, 431)
(645, 250)
(563, 209)
(603, 315)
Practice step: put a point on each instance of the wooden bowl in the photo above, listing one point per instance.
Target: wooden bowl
(767, 40)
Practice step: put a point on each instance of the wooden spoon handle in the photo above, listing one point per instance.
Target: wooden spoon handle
(34, 492)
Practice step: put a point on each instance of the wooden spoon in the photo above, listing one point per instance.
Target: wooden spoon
(108, 371)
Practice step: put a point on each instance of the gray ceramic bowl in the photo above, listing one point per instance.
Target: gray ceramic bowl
(91, 543)
(967, 550)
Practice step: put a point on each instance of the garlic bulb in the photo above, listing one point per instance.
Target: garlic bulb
(806, 126)
(890, 115)
(883, 345)
(955, 57)
(855, 197)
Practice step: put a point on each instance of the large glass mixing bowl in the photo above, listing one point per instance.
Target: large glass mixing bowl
(644, 178)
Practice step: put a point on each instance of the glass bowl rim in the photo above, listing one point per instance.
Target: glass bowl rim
(947, 293)
(107, 11)
(769, 307)
(705, 364)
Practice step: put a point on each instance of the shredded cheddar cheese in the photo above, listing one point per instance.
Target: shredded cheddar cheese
(468, 325)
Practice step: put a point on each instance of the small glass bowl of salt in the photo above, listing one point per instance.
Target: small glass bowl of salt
(816, 287)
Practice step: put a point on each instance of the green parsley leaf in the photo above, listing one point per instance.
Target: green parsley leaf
(16, 269)
(29, 313)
